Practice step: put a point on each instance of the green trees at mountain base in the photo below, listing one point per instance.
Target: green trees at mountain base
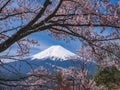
(109, 77)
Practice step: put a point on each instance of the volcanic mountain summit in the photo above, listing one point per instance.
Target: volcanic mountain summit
(55, 53)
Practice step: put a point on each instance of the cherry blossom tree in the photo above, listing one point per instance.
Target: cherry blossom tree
(93, 22)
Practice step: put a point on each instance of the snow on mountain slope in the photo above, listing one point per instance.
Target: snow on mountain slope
(55, 53)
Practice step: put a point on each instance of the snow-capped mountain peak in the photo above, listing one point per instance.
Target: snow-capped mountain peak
(55, 53)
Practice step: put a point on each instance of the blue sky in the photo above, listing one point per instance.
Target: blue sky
(45, 41)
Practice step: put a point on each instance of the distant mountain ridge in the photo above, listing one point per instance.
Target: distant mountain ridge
(56, 56)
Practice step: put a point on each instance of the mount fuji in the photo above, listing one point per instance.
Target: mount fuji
(51, 59)
(55, 53)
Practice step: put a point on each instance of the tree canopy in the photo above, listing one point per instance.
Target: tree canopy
(94, 22)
